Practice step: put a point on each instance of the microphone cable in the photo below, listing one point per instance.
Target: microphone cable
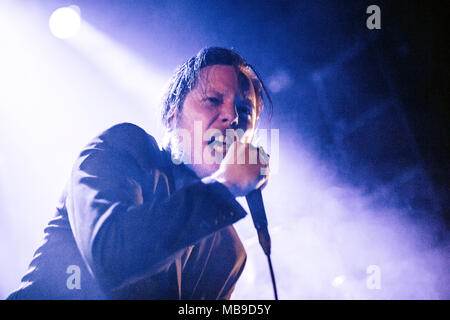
(256, 206)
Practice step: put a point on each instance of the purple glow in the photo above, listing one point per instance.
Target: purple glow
(56, 95)
(326, 235)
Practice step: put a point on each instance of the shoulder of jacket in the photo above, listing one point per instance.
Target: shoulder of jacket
(132, 139)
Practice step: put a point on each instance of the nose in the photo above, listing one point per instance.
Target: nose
(229, 115)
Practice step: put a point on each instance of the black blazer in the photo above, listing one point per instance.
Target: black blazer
(133, 225)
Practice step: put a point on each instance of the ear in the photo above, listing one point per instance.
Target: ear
(173, 121)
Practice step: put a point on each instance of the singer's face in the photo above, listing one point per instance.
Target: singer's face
(221, 99)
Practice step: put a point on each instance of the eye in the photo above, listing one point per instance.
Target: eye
(244, 111)
(213, 100)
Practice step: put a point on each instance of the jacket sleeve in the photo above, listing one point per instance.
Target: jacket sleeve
(124, 236)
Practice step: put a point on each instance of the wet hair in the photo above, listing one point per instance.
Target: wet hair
(186, 75)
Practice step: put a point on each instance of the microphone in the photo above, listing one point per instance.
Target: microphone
(256, 206)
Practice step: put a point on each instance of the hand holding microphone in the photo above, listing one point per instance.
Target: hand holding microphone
(244, 168)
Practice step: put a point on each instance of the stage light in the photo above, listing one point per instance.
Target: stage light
(65, 22)
(279, 81)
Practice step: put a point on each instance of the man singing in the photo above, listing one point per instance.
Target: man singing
(137, 221)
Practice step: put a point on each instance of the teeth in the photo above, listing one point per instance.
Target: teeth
(219, 147)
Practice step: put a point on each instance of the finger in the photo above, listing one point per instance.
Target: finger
(262, 182)
(263, 156)
(252, 154)
(264, 170)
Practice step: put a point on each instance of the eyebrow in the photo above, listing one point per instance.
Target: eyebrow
(216, 93)
(241, 98)
(205, 94)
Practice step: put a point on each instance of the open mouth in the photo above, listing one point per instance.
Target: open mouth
(217, 143)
